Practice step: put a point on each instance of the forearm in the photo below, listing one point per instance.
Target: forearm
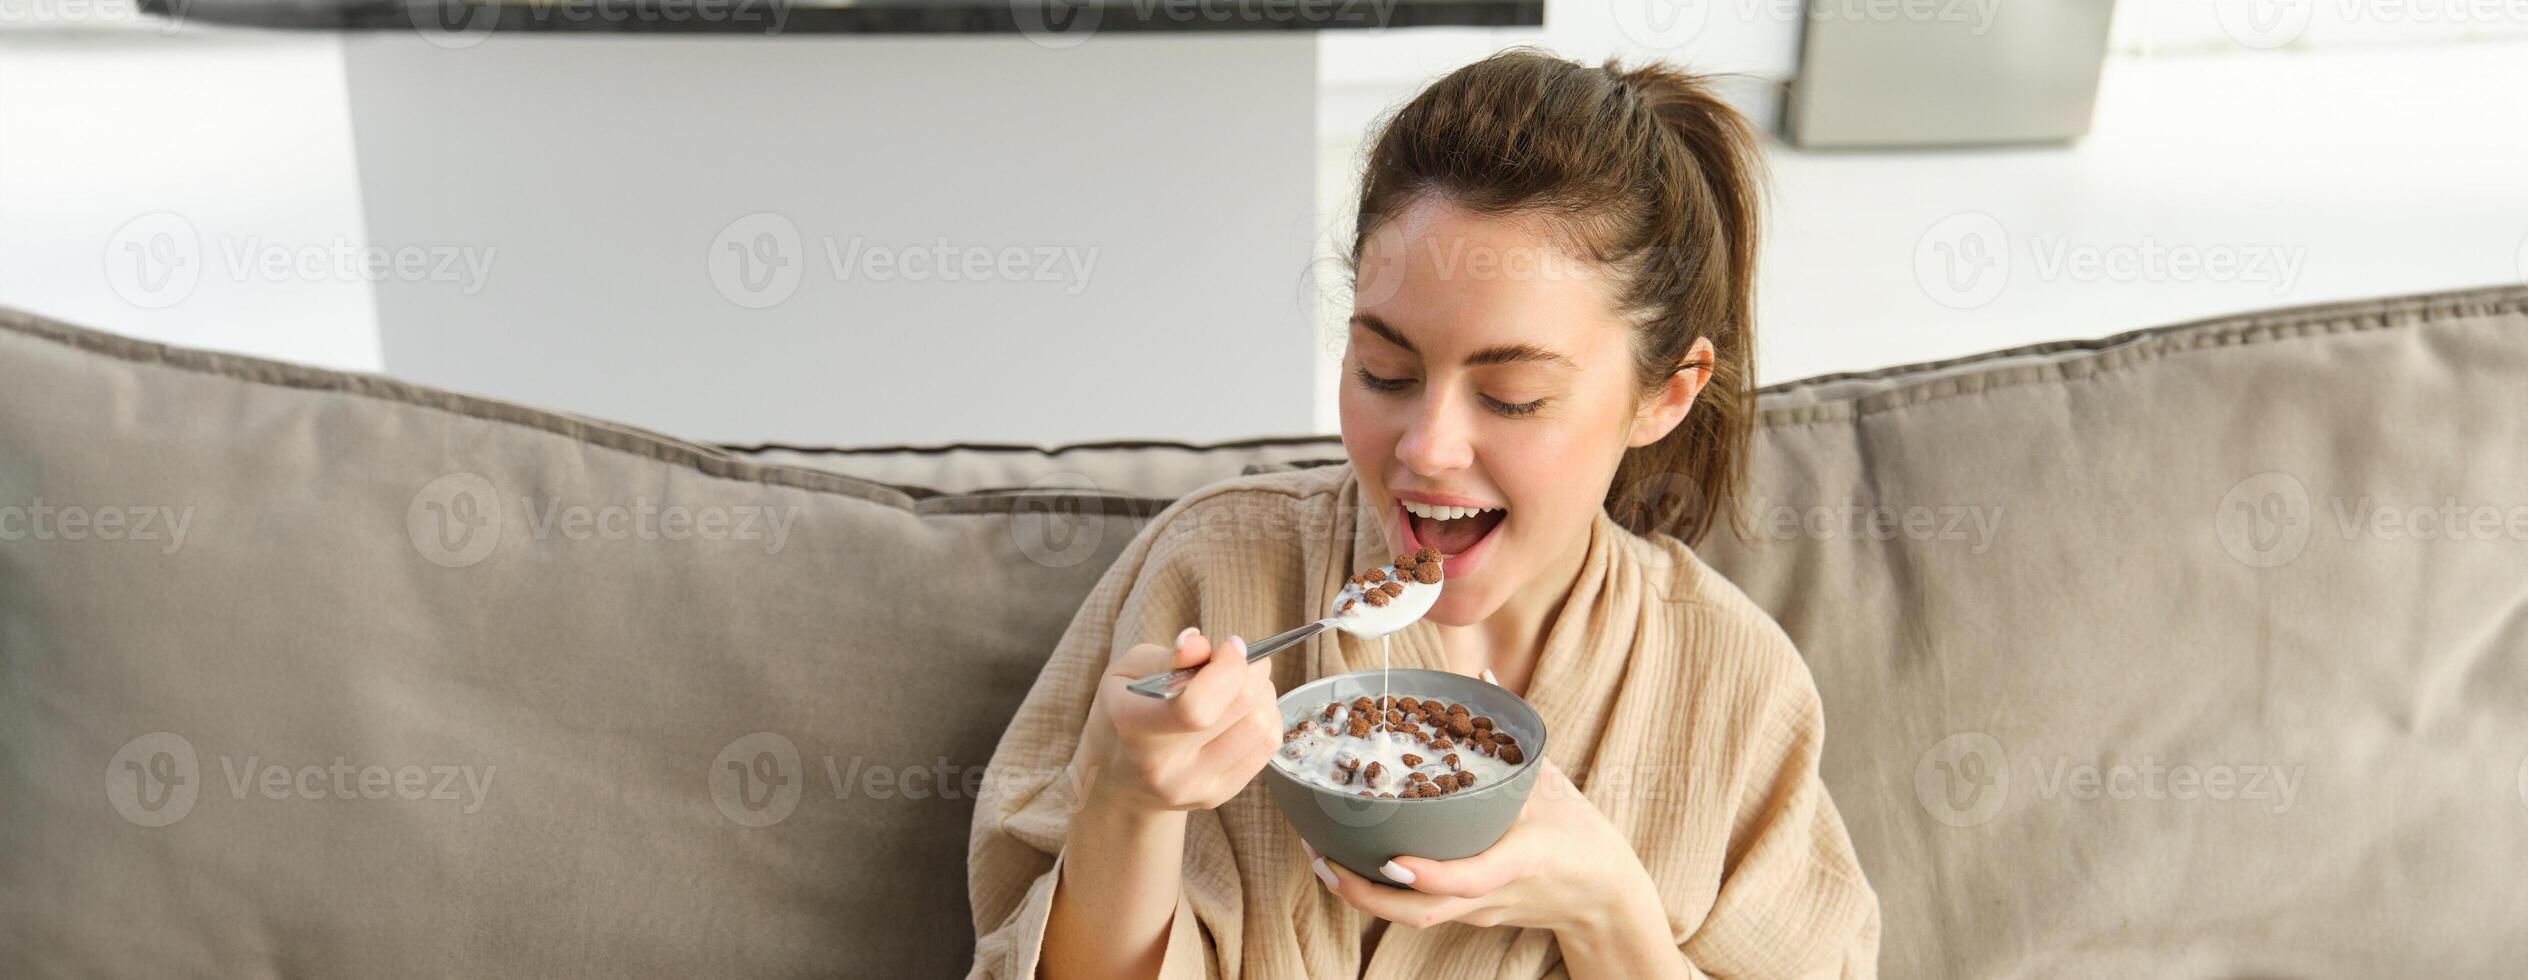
(1121, 874)
(1626, 937)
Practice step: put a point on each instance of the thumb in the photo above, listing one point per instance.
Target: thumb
(1192, 648)
(1472, 877)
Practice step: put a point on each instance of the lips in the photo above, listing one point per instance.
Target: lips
(1458, 563)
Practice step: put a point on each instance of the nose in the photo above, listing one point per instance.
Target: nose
(1437, 441)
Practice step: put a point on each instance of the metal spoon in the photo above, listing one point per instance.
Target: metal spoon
(1362, 620)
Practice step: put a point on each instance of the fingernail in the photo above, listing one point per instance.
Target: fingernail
(1489, 679)
(1324, 874)
(1189, 631)
(1237, 643)
(1396, 872)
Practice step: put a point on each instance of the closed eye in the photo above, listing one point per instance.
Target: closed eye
(1511, 409)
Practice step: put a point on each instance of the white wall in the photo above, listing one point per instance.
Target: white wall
(149, 178)
(1155, 188)
(2374, 152)
(2376, 144)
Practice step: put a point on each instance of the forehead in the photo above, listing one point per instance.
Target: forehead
(1452, 280)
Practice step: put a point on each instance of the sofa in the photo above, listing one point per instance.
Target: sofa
(2196, 651)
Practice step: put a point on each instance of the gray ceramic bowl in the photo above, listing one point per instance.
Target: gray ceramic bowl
(1362, 833)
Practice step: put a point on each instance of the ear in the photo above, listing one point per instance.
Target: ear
(1660, 413)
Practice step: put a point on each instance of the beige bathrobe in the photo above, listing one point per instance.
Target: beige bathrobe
(1676, 705)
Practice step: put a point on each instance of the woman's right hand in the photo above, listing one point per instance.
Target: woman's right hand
(1190, 753)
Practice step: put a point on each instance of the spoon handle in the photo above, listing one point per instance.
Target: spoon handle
(1167, 686)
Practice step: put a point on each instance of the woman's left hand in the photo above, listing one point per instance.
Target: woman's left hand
(1558, 867)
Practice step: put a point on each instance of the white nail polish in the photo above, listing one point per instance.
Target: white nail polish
(1189, 631)
(1396, 873)
(1324, 873)
(1489, 679)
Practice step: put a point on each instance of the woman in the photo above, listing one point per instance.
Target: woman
(1553, 271)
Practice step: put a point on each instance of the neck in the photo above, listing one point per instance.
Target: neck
(1511, 640)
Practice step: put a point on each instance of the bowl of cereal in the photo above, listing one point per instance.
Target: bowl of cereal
(1380, 763)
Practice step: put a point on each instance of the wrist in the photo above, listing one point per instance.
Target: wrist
(1117, 803)
(1625, 912)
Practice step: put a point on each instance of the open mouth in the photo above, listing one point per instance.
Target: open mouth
(1453, 530)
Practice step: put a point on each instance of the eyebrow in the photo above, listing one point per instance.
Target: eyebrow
(1496, 354)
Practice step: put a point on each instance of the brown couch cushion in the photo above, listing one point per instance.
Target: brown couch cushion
(598, 627)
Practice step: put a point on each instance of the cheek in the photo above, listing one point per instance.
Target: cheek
(1369, 429)
(1363, 435)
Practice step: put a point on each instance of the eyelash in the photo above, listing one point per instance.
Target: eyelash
(1376, 383)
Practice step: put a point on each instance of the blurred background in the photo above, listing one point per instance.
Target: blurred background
(748, 221)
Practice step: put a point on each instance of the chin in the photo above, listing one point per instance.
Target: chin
(1453, 611)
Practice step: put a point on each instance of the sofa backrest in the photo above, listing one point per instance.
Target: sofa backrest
(2195, 651)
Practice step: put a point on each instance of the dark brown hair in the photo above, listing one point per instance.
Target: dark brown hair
(1644, 171)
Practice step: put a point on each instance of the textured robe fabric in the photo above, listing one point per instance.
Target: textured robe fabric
(1675, 704)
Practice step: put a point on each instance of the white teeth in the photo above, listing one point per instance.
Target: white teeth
(1443, 513)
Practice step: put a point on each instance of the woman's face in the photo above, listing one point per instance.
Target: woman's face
(1487, 368)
